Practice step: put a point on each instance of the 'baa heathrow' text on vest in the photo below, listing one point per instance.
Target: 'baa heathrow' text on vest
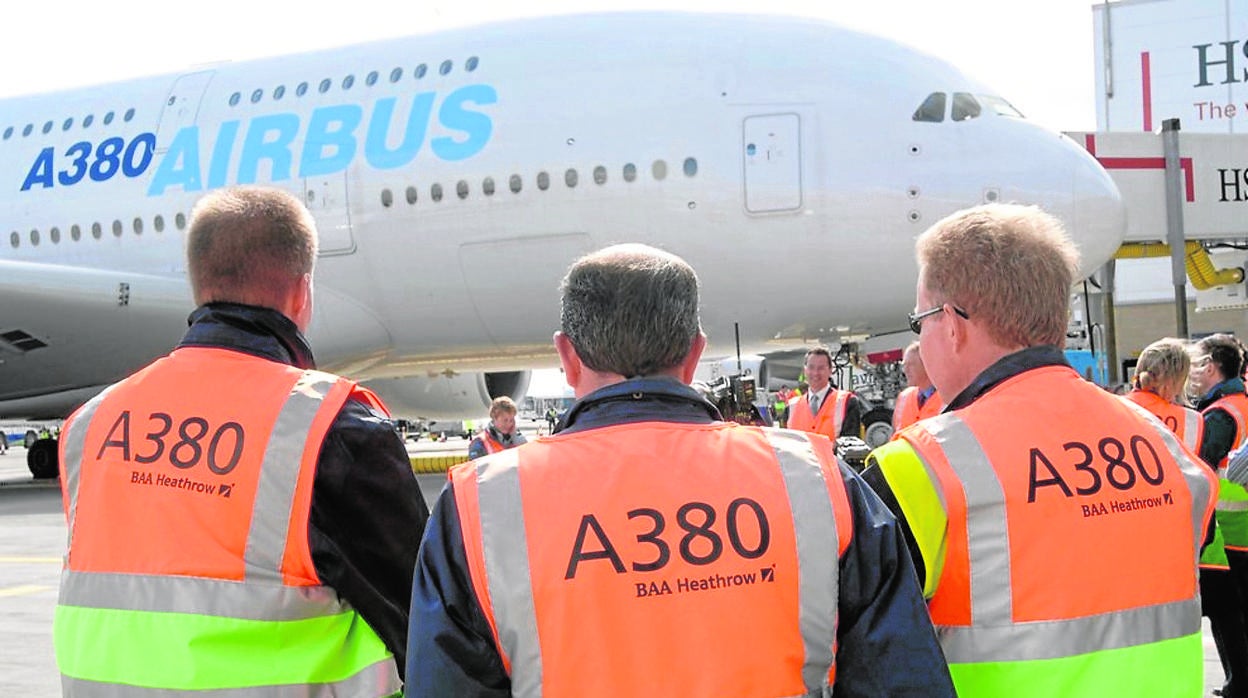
(707, 583)
(1120, 506)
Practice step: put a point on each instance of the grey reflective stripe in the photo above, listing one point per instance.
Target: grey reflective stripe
(1232, 505)
(1230, 408)
(1198, 485)
(1065, 638)
(1192, 422)
(198, 595)
(814, 529)
(74, 439)
(1237, 467)
(505, 550)
(988, 540)
(838, 415)
(279, 476)
(380, 679)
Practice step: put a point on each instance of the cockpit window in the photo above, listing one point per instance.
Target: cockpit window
(1000, 106)
(932, 109)
(965, 106)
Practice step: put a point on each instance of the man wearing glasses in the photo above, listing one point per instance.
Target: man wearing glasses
(1054, 528)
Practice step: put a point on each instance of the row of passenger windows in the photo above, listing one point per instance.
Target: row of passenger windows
(348, 82)
(96, 231)
(571, 178)
(965, 106)
(67, 124)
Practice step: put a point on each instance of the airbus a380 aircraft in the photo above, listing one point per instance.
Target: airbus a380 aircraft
(455, 176)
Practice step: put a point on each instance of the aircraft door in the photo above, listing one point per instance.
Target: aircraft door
(181, 106)
(326, 197)
(771, 152)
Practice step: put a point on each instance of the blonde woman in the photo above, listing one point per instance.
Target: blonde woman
(1160, 377)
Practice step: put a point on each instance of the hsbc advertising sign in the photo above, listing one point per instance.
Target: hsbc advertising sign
(1165, 59)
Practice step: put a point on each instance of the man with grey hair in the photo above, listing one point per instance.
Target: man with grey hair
(1054, 527)
(650, 548)
(239, 522)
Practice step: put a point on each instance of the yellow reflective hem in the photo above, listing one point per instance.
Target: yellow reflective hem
(192, 652)
(1172, 668)
(920, 503)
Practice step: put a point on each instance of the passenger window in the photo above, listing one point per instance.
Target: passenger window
(15, 240)
(515, 184)
(543, 181)
(461, 189)
(129, 115)
(445, 68)
(487, 186)
(324, 86)
(396, 74)
(630, 172)
(301, 90)
(570, 178)
(600, 175)
(387, 198)
(8, 133)
(932, 109)
(279, 92)
(411, 195)
(435, 192)
(348, 81)
(471, 65)
(75, 232)
(257, 95)
(420, 71)
(234, 99)
(964, 106)
(371, 79)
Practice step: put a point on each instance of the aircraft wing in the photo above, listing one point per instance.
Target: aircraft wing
(66, 331)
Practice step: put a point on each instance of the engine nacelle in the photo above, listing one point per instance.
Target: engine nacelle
(751, 365)
(449, 396)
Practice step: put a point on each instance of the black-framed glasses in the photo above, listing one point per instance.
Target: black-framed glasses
(916, 319)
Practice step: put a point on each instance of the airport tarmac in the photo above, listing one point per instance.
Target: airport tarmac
(32, 544)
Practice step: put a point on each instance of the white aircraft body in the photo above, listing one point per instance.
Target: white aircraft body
(454, 177)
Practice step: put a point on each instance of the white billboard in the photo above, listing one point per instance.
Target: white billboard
(1166, 59)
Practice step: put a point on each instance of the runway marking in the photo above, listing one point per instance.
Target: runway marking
(23, 590)
(20, 559)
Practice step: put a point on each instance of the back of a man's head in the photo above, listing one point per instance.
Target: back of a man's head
(248, 245)
(630, 310)
(1009, 267)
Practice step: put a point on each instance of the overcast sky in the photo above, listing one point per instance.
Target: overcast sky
(1036, 53)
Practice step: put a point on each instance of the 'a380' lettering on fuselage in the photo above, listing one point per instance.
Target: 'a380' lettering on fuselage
(328, 143)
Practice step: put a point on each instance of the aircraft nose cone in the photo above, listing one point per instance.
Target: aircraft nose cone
(1100, 218)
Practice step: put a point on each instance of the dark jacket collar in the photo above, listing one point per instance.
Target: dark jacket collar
(1231, 386)
(1007, 367)
(660, 399)
(263, 332)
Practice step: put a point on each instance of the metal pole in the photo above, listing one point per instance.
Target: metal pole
(1110, 324)
(1174, 222)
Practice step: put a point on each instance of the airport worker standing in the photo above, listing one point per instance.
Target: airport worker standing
(1216, 377)
(919, 400)
(501, 433)
(1056, 528)
(239, 522)
(650, 548)
(1161, 375)
(824, 408)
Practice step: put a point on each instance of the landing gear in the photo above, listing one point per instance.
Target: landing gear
(877, 427)
(42, 459)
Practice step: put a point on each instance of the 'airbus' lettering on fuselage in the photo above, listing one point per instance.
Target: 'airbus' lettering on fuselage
(328, 143)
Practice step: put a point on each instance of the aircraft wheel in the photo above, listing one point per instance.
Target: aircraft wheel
(878, 427)
(42, 458)
(31, 438)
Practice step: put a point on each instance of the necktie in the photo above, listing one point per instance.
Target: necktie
(814, 404)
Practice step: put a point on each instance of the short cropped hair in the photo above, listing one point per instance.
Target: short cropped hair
(630, 310)
(248, 245)
(1008, 266)
(1163, 367)
(817, 351)
(502, 404)
(1225, 352)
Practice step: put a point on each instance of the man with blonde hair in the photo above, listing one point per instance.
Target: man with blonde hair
(501, 433)
(652, 549)
(239, 522)
(919, 400)
(1056, 529)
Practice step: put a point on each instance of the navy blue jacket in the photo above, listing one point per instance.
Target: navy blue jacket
(367, 511)
(886, 643)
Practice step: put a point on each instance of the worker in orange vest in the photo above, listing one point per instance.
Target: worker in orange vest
(824, 408)
(501, 433)
(1161, 374)
(1057, 529)
(650, 548)
(919, 400)
(239, 522)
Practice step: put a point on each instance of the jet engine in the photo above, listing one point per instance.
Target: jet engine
(448, 395)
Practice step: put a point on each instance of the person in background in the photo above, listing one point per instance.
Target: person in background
(501, 433)
(239, 522)
(919, 399)
(1215, 377)
(650, 548)
(1161, 374)
(823, 408)
(1056, 529)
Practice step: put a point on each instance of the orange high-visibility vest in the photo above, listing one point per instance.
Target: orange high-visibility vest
(187, 491)
(831, 415)
(1185, 422)
(490, 444)
(659, 559)
(1236, 405)
(907, 410)
(1071, 545)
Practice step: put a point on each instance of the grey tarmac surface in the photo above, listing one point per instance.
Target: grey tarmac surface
(32, 544)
